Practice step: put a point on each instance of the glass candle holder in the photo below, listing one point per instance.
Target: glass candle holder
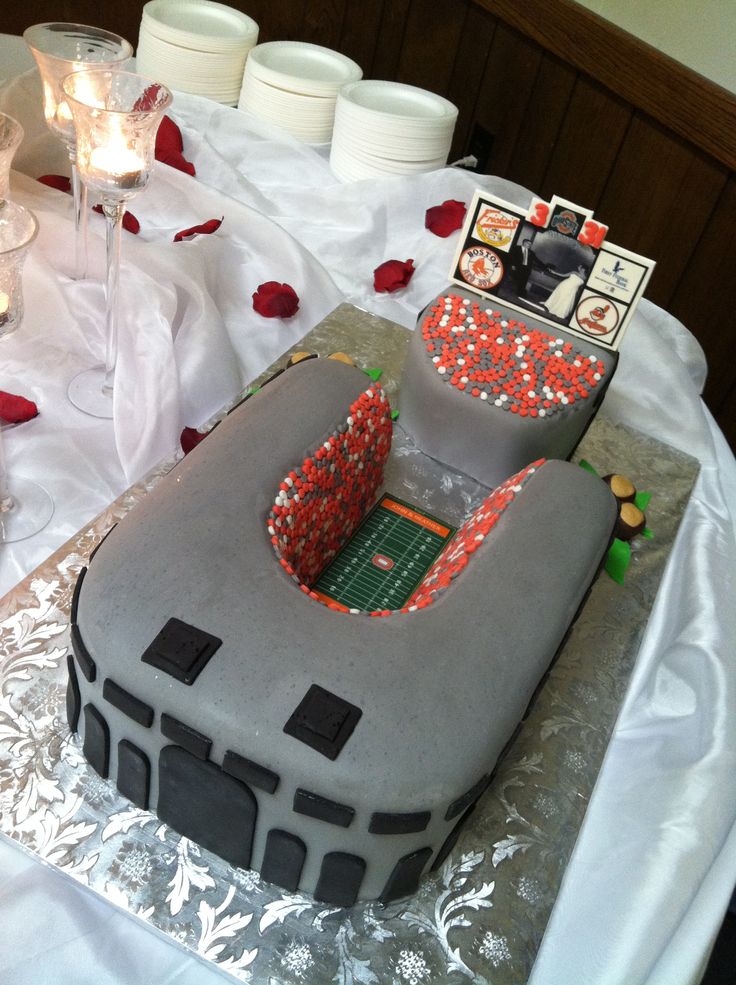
(18, 229)
(59, 49)
(116, 117)
(11, 135)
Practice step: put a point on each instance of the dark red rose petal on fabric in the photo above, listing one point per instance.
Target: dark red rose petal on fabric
(392, 275)
(15, 409)
(129, 220)
(211, 226)
(169, 147)
(446, 218)
(147, 101)
(274, 300)
(190, 438)
(58, 181)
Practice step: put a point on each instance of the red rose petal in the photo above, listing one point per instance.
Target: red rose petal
(169, 147)
(129, 220)
(15, 409)
(147, 101)
(57, 181)
(190, 438)
(446, 218)
(211, 226)
(274, 300)
(392, 275)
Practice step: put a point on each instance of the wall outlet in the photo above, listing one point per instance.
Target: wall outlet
(480, 146)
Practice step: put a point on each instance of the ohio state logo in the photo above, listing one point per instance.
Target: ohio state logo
(565, 222)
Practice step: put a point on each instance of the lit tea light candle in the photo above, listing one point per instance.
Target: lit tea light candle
(118, 161)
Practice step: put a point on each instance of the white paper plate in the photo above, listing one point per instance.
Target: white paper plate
(392, 145)
(395, 99)
(201, 24)
(303, 67)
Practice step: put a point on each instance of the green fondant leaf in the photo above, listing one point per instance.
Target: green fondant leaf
(587, 466)
(394, 415)
(375, 374)
(646, 532)
(618, 560)
(642, 500)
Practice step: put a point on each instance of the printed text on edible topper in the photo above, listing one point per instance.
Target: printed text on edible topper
(553, 262)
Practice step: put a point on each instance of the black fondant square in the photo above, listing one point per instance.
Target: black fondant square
(323, 721)
(181, 650)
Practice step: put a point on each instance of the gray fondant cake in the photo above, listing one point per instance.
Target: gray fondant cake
(335, 752)
(486, 393)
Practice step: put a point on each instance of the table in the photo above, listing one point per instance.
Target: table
(655, 862)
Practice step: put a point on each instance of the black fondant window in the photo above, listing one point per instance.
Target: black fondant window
(323, 721)
(181, 650)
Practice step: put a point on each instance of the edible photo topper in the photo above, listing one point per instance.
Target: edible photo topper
(552, 261)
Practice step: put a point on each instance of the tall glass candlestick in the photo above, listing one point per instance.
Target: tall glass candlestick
(11, 135)
(60, 49)
(25, 507)
(116, 116)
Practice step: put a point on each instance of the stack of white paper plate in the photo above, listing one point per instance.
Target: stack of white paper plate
(196, 46)
(384, 128)
(295, 84)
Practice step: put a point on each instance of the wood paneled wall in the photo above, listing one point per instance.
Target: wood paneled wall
(571, 105)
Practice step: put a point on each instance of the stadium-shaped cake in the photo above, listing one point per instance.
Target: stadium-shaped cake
(334, 750)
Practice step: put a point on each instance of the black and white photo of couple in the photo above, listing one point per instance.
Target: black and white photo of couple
(545, 272)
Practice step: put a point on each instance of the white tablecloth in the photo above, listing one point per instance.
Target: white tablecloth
(655, 863)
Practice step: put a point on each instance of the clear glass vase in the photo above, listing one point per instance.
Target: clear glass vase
(116, 117)
(61, 48)
(11, 135)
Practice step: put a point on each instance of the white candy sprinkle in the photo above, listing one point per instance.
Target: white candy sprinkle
(483, 395)
(499, 340)
(441, 370)
(435, 359)
(596, 376)
(504, 397)
(504, 323)
(531, 393)
(526, 377)
(466, 300)
(558, 342)
(498, 403)
(484, 338)
(471, 347)
(463, 379)
(577, 363)
(461, 361)
(564, 400)
(542, 413)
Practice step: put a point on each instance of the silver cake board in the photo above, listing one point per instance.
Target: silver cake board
(482, 916)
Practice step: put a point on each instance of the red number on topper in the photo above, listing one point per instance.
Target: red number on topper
(539, 215)
(592, 234)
